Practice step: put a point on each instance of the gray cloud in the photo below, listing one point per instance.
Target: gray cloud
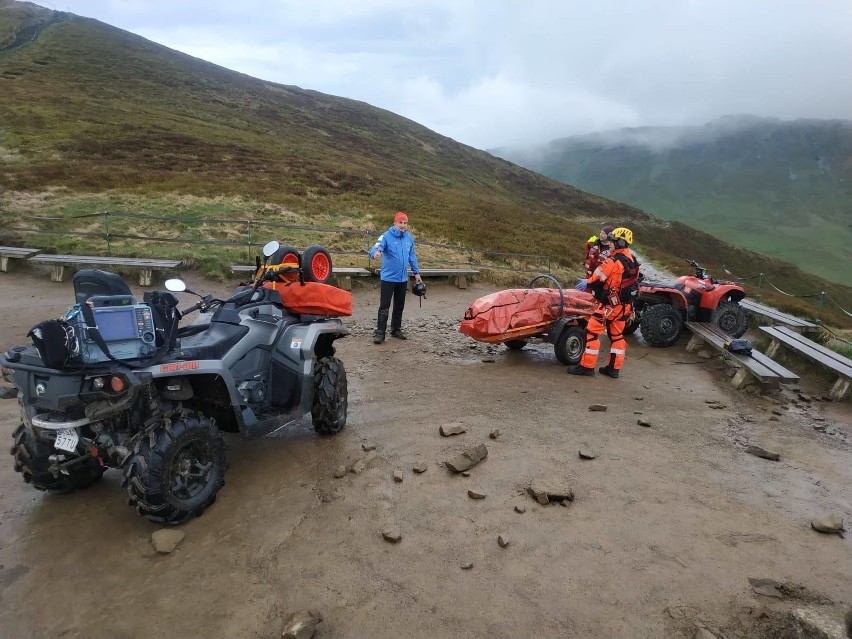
(505, 72)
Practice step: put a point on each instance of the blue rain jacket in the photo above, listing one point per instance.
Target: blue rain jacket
(397, 255)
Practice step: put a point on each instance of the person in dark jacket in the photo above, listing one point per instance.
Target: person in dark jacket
(396, 248)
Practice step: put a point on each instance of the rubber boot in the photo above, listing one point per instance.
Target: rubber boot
(378, 337)
(381, 327)
(609, 369)
(397, 333)
(579, 369)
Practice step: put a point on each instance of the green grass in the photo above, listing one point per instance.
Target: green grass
(97, 119)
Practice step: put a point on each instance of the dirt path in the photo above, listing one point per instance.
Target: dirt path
(668, 525)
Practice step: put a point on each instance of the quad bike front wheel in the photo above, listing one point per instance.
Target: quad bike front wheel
(331, 396)
(32, 458)
(570, 345)
(731, 318)
(661, 324)
(176, 469)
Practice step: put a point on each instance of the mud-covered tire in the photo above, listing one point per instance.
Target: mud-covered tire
(316, 264)
(731, 318)
(286, 255)
(176, 469)
(515, 344)
(331, 396)
(32, 459)
(570, 345)
(661, 324)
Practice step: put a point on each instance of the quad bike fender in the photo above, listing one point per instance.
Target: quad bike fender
(719, 293)
(653, 294)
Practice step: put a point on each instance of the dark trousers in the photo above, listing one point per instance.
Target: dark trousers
(395, 291)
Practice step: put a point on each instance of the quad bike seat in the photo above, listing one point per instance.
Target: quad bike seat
(211, 343)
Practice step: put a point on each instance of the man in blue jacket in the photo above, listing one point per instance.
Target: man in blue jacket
(396, 248)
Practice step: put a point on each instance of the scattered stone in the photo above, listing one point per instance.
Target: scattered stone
(488, 360)
(397, 475)
(420, 467)
(327, 498)
(644, 422)
(301, 625)
(359, 466)
(637, 412)
(476, 494)
(339, 472)
(818, 623)
(494, 434)
(598, 407)
(466, 565)
(717, 406)
(757, 451)
(586, 454)
(166, 540)
(468, 459)
(8, 392)
(454, 428)
(520, 509)
(638, 398)
(368, 447)
(773, 418)
(711, 401)
(546, 491)
(648, 385)
(503, 540)
(392, 535)
(766, 587)
(465, 473)
(775, 411)
(832, 525)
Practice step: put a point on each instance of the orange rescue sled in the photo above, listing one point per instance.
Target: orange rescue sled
(313, 298)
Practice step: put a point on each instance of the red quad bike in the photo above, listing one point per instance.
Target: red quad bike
(662, 307)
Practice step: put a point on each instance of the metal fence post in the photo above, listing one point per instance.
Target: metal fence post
(248, 235)
(106, 230)
(759, 285)
(821, 301)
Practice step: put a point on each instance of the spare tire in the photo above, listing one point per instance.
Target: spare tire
(286, 255)
(316, 264)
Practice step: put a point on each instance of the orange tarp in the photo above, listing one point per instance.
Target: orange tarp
(521, 312)
(313, 298)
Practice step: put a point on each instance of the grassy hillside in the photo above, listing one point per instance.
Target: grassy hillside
(781, 188)
(95, 118)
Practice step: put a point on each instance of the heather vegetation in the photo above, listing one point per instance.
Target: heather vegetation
(96, 119)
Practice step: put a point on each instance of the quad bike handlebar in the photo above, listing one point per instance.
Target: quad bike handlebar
(700, 272)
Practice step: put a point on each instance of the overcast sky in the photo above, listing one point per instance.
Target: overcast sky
(507, 72)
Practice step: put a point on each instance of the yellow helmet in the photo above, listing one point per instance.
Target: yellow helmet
(622, 233)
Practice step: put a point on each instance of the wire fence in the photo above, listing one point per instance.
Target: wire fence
(118, 229)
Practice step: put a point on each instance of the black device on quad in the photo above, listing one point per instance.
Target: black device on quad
(661, 308)
(117, 384)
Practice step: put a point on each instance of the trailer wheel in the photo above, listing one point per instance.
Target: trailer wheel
(570, 345)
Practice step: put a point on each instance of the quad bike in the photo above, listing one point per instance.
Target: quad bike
(118, 384)
(661, 308)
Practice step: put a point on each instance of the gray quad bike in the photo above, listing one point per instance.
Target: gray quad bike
(157, 405)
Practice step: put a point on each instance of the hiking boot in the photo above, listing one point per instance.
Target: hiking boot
(378, 337)
(399, 334)
(610, 372)
(581, 370)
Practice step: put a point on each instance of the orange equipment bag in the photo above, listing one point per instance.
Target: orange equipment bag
(520, 312)
(313, 298)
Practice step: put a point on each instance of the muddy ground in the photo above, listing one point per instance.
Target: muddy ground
(668, 524)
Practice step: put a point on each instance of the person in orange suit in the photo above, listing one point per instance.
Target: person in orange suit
(618, 276)
(598, 249)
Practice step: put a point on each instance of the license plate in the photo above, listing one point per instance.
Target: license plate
(66, 439)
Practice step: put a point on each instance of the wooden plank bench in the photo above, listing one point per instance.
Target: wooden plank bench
(457, 276)
(768, 372)
(16, 252)
(835, 362)
(146, 267)
(777, 317)
(342, 274)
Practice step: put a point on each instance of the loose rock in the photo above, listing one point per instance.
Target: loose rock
(397, 475)
(465, 473)
(368, 447)
(392, 535)
(476, 494)
(7, 392)
(494, 434)
(586, 454)
(757, 451)
(420, 467)
(520, 509)
(339, 472)
(454, 428)
(166, 540)
(832, 525)
(644, 422)
(548, 490)
(598, 407)
(502, 540)
(301, 625)
(468, 459)
(466, 565)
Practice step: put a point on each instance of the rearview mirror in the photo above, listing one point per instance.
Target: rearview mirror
(270, 247)
(175, 285)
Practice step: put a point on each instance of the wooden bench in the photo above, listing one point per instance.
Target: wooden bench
(777, 317)
(768, 372)
(835, 362)
(457, 276)
(145, 266)
(342, 274)
(17, 252)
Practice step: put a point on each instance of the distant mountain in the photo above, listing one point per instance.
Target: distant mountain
(780, 188)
